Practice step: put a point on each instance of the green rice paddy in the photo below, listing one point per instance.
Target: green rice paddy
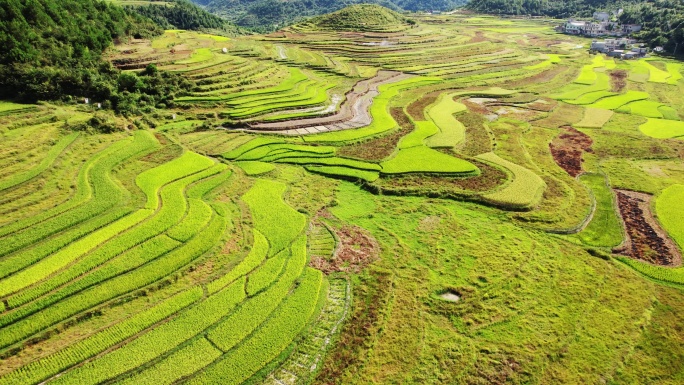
(207, 250)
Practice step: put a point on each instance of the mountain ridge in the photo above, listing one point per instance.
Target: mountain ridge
(269, 15)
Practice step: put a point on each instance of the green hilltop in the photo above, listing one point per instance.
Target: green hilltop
(361, 18)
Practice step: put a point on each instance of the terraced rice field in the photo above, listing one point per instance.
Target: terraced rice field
(295, 217)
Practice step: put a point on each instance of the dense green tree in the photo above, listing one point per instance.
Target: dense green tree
(182, 14)
(52, 49)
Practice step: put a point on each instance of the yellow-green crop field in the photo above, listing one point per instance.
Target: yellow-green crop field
(463, 200)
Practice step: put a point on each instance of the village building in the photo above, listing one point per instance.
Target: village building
(602, 24)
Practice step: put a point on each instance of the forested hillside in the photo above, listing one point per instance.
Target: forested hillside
(662, 20)
(51, 49)
(180, 14)
(266, 15)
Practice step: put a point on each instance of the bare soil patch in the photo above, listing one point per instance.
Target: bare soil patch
(356, 249)
(478, 38)
(567, 149)
(646, 240)
(618, 80)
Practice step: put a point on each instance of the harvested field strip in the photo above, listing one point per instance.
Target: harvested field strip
(451, 131)
(277, 221)
(523, 192)
(276, 334)
(670, 212)
(47, 161)
(594, 118)
(615, 102)
(422, 159)
(605, 229)
(159, 341)
(345, 173)
(382, 120)
(662, 129)
(53, 364)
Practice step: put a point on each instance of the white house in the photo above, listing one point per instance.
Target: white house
(601, 16)
(630, 28)
(575, 27)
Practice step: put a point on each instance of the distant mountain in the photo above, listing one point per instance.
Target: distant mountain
(267, 15)
(662, 20)
(553, 8)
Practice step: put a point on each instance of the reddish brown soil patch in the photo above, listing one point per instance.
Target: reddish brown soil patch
(618, 80)
(478, 38)
(355, 251)
(161, 138)
(380, 148)
(646, 240)
(417, 108)
(567, 149)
